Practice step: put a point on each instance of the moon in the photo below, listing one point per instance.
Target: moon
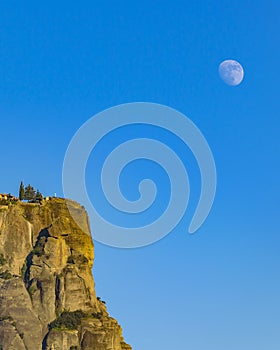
(231, 72)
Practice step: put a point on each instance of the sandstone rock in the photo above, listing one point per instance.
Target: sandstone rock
(47, 293)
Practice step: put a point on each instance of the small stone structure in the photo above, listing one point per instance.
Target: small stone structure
(8, 197)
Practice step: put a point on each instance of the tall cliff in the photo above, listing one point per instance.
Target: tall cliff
(47, 293)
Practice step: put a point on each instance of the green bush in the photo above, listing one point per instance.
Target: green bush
(32, 290)
(102, 301)
(4, 318)
(2, 260)
(6, 275)
(23, 269)
(39, 247)
(68, 320)
(70, 260)
(97, 315)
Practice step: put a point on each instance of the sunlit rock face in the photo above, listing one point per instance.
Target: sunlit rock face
(47, 292)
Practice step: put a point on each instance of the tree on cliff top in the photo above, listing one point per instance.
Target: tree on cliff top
(21, 191)
(29, 193)
(38, 196)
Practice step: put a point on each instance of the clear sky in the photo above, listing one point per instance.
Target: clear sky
(62, 62)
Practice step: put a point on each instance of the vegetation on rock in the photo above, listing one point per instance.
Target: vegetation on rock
(72, 319)
(21, 192)
(2, 260)
(28, 193)
(68, 320)
(6, 275)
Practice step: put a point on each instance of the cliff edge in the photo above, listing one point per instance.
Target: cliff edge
(47, 293)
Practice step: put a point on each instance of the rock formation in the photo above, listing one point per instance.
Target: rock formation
(47, 294)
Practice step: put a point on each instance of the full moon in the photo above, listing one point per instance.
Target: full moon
(231, 72)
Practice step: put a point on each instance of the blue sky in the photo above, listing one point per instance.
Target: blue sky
(61, 63)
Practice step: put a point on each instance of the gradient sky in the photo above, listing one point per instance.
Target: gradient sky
(62, 62)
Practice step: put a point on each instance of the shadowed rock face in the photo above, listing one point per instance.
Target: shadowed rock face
(47, 294)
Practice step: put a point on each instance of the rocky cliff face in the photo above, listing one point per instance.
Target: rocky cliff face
(47, 295)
